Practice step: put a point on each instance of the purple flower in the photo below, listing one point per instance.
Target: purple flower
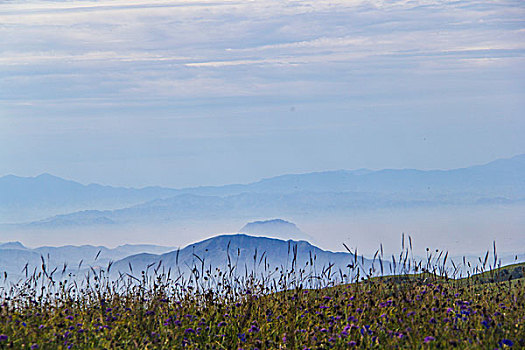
(429, 339)
(432, 320)
(253, 329)
(221, 324)
(34, 346)
(324, 330)
(352, 343)
(3, 337)
(189, 330)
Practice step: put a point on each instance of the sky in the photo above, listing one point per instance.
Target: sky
(186, 93)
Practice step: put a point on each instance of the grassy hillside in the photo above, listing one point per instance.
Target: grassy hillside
(214, 310)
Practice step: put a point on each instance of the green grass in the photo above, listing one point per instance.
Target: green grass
(216, 310)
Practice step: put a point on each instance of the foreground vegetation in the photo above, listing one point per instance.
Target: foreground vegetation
(283, 309)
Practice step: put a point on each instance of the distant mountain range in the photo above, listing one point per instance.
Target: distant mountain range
(14, 256)
(48, 201)
(246, 253)
(23, 198)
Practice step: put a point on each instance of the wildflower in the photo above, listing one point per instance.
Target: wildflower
(324, 330)
(221, 324)
(3, 337)
(34, 346)
(352, 343)
(507, 342)
(253, 329)
(432, 320)
(189, 330)
(429, 339)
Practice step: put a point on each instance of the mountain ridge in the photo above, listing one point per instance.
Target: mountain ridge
(245, 252)
(45, 203)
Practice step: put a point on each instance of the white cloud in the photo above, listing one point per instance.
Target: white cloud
(80, 50)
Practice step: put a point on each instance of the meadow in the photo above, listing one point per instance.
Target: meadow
(403, 303)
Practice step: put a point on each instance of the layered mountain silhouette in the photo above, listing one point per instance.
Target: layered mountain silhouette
(14, 257)
(226, 252)
(57, 203)
(244, 253)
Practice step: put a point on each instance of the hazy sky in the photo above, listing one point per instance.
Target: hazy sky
(182, 93)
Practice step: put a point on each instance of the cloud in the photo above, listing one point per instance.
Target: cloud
(385, 65)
